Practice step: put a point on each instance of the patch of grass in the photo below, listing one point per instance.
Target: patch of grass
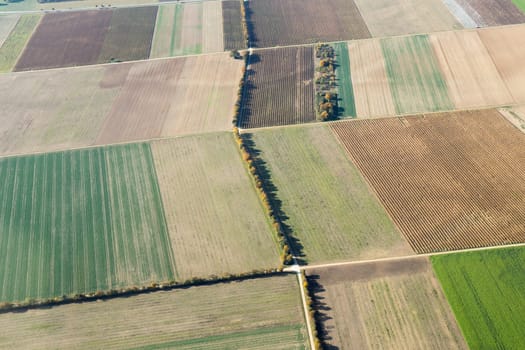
(16, 41)
(344, 77)
(486, 290)
(520, 4)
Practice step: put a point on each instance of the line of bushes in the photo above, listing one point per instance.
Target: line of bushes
(133, 290)
(263, 192)
(311, 313)
(325, 83)
(244, 25)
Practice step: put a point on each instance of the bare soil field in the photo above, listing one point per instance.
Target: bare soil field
(384, 305)
(398, 17)
(252, 314)
(450, 181)
(471, 76)
(505, 45)
(231, 19)
(515, 115)
(7, 23)
(492, 13)
(212, 27)
(279, 88)
(372, 93)
(286, 22)
(215, 219)
(66, 39)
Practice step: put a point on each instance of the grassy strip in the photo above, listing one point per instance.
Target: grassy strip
(345, 89)
(520, 4)
(486, 290)
(16, 41)
(312, 313)
(177, 32)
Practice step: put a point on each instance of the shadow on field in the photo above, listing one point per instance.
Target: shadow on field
(252, 38)
(296, 248)
(247, 93)
(322, 310)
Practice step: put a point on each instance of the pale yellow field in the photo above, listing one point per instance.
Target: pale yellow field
(471, 76)
(7, 23)
(212, 29)
(515, 115)
(369, 79)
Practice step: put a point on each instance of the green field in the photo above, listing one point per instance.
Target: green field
(414, 75)
(216, 221)
(263, 313)
(167, 31)
(16, 41)
(486, 290)
(331, 210)
(344, 77)
(520, 4)
(81, 221)
(130, 34)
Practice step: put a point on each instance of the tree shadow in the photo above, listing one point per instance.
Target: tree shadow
(296, 248)
(252, 37)
(322, 310)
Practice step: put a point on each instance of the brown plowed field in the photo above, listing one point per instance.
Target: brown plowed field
(492, 13)
(397, 304)
(66, 39)
(472, 78)
(286, 22)
(449, 181)
(279, 88)
(505, 45)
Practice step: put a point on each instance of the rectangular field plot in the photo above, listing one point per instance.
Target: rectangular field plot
(398, 17)
(389, 305)
(415, 79)
(346, 103)
(449, 181)
(486, 291)
(263, 313)
(81, 221)
(486, 13)
(471, 76)
(7, 23)
(330, 209)
(232, 28)
(505, 45)
(14, 44)
(279, 88)
(216, 221)
(287, 22)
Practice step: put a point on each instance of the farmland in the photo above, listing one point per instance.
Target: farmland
(520, 4)
(214, 216)
(449, 181)
(81, 221)
(231, 17)
(279, 88)
(13, 45)
(107, 104)
(471, 76)
(416, 82)
(515, 115)
(387, 18)
(485, 290)
(493, 13)
(395, 305)
(7, 23)
(330, 210)
(344, 77)
(251, 314)
(286, 22)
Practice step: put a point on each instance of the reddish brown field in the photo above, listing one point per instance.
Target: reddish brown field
(492, 13)
(286, 22)
(279, 89)
(449, 181)
(66, 39)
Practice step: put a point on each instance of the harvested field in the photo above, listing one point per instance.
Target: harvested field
(398, 17)
(470, 74)
(14, 44)
(415, 79)
(252, 314)
(345, 90)
(212, 28)
(215, 219)
(515, 115)
(81, 221)
(485, 290)
(389, 305)
(491, 13)
(66, 39)
(370, 80)
(232, 27)
(130, 34)
(505, 45)
(330, 209)
(461, 15)
(279, 88)
(449, 181)
(7, 23)
(287, 22)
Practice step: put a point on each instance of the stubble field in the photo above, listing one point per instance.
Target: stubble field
(396, 305)
(215, 219)
(253, 314)
(329, 207)
(449, 181)
(81, 221)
